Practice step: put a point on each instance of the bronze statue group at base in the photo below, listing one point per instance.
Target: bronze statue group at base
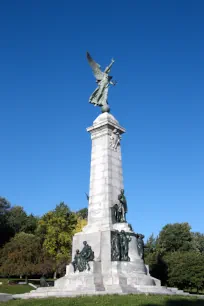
(140, 245)
(119, 240)
(81, 259)
(120, 246)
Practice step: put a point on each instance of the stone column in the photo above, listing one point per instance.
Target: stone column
(106, 178)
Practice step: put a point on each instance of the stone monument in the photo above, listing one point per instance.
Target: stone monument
(107, 256)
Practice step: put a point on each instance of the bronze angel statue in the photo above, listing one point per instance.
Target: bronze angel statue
(100, 95)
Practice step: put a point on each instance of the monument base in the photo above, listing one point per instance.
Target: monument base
(106, 275)
(94, 283)
(119, 276)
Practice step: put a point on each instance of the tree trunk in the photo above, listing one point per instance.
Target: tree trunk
(26, 279)
(55, 275)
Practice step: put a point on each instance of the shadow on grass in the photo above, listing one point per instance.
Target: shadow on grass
(155, 300)
(178, 302)
(184, 302)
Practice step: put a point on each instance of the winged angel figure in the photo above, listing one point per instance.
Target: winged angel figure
(100, 95)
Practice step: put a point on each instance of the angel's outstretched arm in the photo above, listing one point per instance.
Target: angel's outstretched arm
(113, 83)
(109, 67)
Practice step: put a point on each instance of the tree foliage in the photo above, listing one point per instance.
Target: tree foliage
(19, 221)
(79, 225)
(198, 242)
(176, 255)
(185, 269)
(5, 230)
(4, 206)
(17, 218)
(14, 220)
(175, 237)
(150, 245)
(56, 229)
(39, 245)
(82, 213)
(21, 255)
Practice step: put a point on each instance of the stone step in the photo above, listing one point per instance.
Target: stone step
(4, 297)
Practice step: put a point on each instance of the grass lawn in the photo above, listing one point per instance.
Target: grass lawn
(13, 289)
(111, 300)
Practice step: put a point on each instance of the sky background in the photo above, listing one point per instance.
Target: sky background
(45, 85)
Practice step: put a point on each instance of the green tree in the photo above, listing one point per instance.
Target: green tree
(5, 229)
(56, 230)
(185, 269)
(83, 213)
(174, 237)
(21, 255)
(157, 265)
(17, 218)
(4, 206)
(176, 256)
(150, 245)
(80, 225)
(198, 242)
(19, 221)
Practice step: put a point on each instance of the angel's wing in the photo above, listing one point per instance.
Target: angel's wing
(95, 67)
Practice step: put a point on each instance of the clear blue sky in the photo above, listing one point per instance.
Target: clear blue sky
(45, 85)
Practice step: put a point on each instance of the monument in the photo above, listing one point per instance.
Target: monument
(117, 265)
(107, 256)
